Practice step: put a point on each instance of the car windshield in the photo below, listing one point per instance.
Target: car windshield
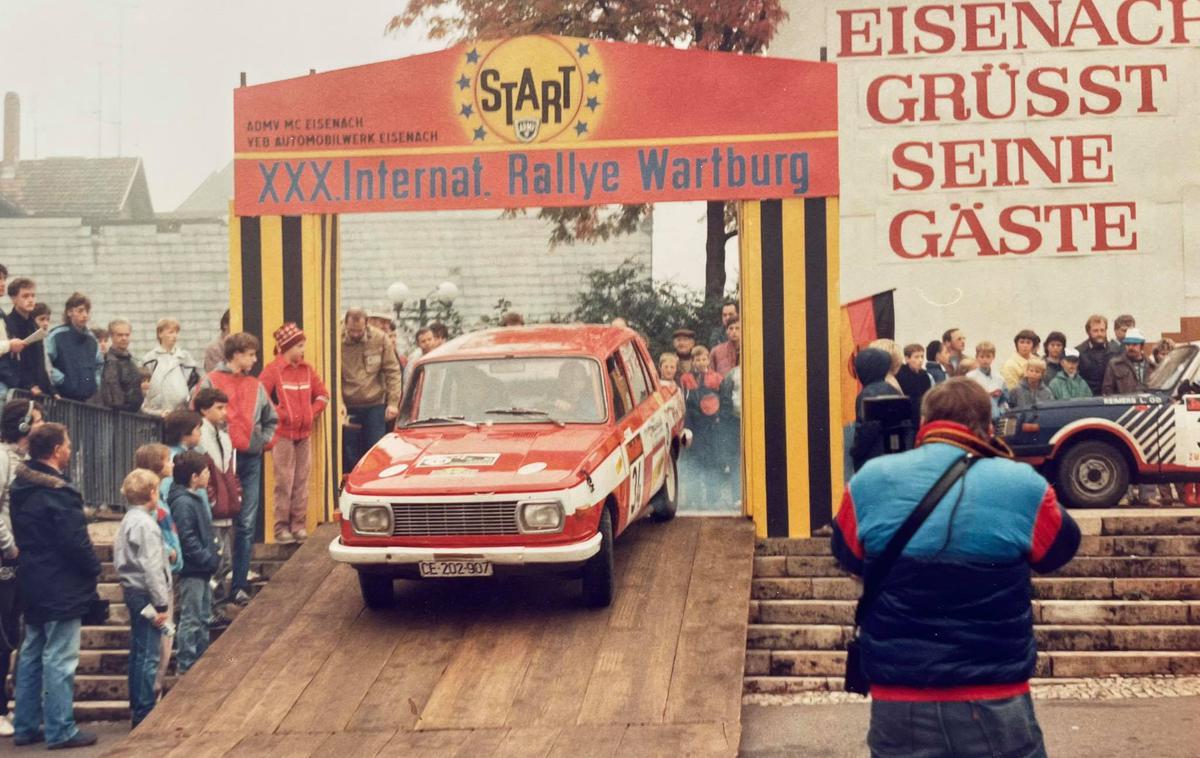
(512, 390)
(1170, 371)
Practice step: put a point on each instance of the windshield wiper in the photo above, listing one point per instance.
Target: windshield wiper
(525, 412)
(443, 420)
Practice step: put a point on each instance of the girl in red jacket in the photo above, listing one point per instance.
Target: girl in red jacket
(299, 397)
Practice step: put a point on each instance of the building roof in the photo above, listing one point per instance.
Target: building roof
(97, 188)
(211, 198)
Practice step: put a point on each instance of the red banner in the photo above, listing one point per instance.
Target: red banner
(537, 121)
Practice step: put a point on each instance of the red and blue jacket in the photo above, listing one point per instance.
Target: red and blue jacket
(954, 619)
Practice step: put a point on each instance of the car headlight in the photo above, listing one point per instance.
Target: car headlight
(371, 519)
(540, 516)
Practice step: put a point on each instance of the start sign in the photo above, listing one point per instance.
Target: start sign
(537, 121)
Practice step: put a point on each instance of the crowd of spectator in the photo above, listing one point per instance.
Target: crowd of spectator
(1037, 371)
(192, 499)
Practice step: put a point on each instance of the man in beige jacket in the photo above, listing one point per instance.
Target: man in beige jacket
(371, 383)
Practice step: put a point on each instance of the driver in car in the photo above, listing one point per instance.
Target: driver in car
(575, 395)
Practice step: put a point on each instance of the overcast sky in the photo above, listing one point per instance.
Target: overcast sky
(154, 78)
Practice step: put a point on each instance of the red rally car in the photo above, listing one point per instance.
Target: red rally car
(517, 449)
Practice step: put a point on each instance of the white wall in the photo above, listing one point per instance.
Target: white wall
(1154, 162)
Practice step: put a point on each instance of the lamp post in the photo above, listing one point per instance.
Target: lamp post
(399, 294)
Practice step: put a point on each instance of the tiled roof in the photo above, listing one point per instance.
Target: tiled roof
(211, 198)
(86, 187)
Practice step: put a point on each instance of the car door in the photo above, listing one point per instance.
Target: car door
(641, 443)
(625, 416)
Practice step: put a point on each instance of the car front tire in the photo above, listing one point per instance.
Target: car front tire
(598, 571)
(666, 500)
(1092, 474)
(378, 590)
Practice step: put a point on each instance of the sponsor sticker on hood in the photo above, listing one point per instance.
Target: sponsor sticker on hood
(458, 459)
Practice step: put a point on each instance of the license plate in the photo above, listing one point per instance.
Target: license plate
(455, 569)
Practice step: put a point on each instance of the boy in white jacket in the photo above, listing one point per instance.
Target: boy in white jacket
(174, 371)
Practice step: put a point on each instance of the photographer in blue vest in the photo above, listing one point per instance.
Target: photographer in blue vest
(945, 630)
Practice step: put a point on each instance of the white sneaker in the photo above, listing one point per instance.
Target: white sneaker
(253, 576)
(6, 727)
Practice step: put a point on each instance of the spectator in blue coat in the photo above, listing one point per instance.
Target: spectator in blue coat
(948, 645)
(76, 362)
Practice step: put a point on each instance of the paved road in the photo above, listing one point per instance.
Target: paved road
(1162, 727)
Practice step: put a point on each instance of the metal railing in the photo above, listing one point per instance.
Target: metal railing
(103, 442)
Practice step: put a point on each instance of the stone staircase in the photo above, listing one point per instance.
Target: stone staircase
(101, 683)
(1128, 604)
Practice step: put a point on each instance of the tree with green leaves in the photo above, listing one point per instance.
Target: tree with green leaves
(716, 25)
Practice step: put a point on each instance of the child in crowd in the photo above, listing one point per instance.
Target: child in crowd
(140, 560)
(299, 397)
(102, 339)
(157, 459)
(914, 380)
(1069, 383)
(991, 381)
(181, 431)
(1031, 390)
(145, 374)
(224, 488)
(201, 555)
(41, 317)
(702, 396)
(668, 367)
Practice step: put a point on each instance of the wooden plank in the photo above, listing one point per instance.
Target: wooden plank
(195, 698)
(349, 671)
(588, 741)
(206, 745)
(552, 692)
(527, 743)
(632, 675)
(268, 691)
(408, 744)
(142, 743)
(277, 746)
(354, 744)
(699, 740)
(479, 686)
(424, 648)
(707, 675)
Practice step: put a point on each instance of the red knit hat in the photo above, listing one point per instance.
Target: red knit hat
(286, 336)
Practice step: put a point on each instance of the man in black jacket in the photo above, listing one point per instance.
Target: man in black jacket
(1095, 352)
(57, 580)
(121, 383)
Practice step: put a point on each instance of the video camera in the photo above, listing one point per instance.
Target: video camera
(894, 418)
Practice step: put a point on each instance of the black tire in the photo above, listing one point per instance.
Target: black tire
(666, 501)
(378, 590)
(598, 571)
(1092, 474)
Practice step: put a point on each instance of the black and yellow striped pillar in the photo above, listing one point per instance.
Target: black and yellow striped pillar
(791, 390)
(286, 268)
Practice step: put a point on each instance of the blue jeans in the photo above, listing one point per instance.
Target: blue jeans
(249, 469)
(373, 422)
(45, 690)
(195, 609)
(949, 729)
(145, 645)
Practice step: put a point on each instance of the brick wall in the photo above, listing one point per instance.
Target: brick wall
(141, 272)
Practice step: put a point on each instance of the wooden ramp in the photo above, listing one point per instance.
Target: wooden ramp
(508, 668)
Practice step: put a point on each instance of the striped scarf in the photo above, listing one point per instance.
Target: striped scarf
(952, 433)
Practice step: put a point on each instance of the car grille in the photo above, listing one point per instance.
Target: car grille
(447, 519)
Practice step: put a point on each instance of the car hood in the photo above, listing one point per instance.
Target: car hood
(459, 460)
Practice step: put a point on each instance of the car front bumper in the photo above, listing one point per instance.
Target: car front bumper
(552, 557)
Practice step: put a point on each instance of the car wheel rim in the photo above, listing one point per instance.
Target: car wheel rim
(1095, 475)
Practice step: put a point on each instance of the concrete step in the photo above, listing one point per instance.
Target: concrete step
(1090, 546)
(1047, 588)
(1158, 523)
(778, 566)
(1112, 612)
(1049, 637)
(262, 551)
(1057, 664)
(96, 710)
(265, 568)
(107, 686)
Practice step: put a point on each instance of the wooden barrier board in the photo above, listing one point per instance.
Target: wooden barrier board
(513, 667)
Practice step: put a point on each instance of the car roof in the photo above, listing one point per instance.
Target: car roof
(595, 340)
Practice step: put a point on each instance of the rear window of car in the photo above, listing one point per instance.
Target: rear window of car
(512, 390)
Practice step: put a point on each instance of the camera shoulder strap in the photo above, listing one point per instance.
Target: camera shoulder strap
(879, 568)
